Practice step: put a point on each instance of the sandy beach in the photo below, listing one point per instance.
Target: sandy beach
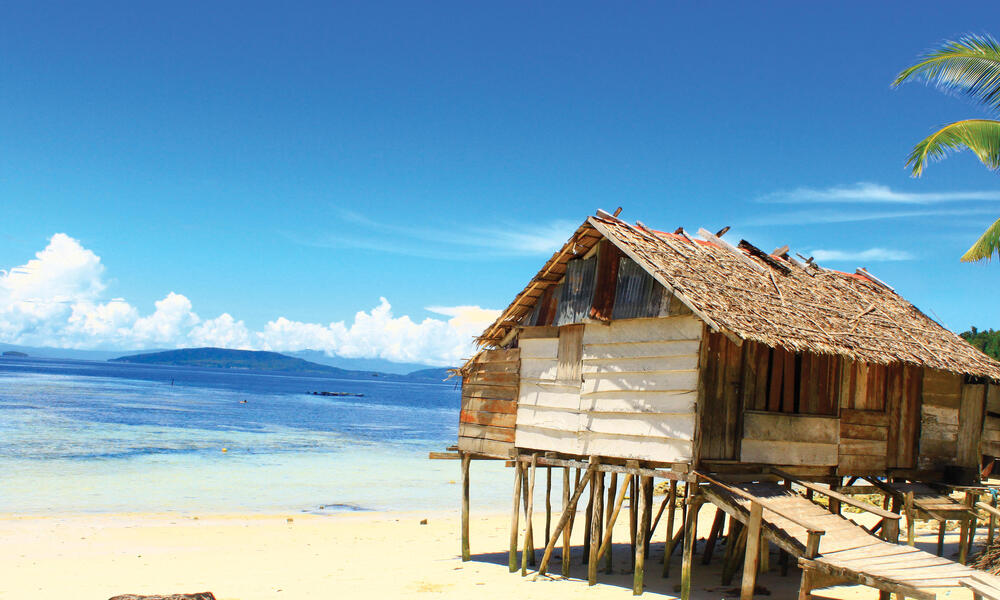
(353, 555)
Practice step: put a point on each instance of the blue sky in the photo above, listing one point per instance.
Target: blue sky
(304, 160)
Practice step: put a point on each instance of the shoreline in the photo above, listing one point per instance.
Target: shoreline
(253, 556)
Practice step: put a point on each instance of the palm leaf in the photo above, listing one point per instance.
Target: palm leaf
(986, 246)
(969, 66)
(982, 136)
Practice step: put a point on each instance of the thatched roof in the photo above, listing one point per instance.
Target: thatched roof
(776, 300)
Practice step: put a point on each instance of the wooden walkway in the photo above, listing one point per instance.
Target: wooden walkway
(847, 552)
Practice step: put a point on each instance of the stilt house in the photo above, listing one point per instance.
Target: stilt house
(633, 344)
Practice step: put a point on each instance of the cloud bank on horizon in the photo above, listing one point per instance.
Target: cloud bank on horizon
(58, 299)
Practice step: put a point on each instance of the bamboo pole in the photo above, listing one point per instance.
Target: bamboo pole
(668, 545)
(596, 522)
(564, 518)
(690, 531)
(466, 551)
(568, 530)
(548, 502)
(752, 552)
(609, 524)
(512, 557)
(643, 538)
(529, 507)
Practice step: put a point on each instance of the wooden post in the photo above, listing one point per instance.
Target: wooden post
(690, 533)
(642, 540)
(668, 545)
(466, 551)
(993, 521)
(514, 526)
(588, 521)
(647, 521)
(940, 541)
(806, 586)
(529, 507)
(752, 553)
(529, 533)
(548, 502)
(612, 490)
(596, 522)
(834, 503)
(734, 554)
(632, 504)
(911, 518)
(968, 524)
(609, 531)
(568, 530)
(565, 517)
(717, 524)
(765, 554)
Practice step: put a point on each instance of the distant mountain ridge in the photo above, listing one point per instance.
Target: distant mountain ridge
(224, 358)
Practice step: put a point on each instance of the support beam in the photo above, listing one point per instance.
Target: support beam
(690, 533)
(633, 481)
(643, 537)
(548, 502)
(568, 530)
(596, 525)
(647, 520)
(514, 526)
(752, 553)
(713, 534)
(911, 518)
(529, 548)
(613, 518)
(466, 551)
(564, 518)
(609, 524)
(668, 545)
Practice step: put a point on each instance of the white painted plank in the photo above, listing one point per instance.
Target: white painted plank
(678, 362)
(675, 426)
(655, 329)
(790, 428)
(549, 418)
(788, 453)
(615, 382)
(640, 349)
(551, 395)
(539, 368)
(537, 438)
(539, 348)
(640, 402)
(640, 448)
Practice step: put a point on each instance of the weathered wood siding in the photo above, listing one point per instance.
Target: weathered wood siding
(721, 379)
(991, 428)
(489, 403)
(779, 439)
(942, 396)
(634, 397)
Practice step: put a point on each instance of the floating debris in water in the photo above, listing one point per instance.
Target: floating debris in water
(356, 395)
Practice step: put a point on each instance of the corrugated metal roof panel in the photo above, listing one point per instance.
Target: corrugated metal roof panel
(577, 291)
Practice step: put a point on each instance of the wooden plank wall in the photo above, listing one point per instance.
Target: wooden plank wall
(991, 428)
(942, 396)
(779, 439)
(864, 441)
(640, 379)
(548, 413)
(722, 376)
(489, 403)
(971, 413)
(635, 397)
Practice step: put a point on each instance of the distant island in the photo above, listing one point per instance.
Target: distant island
(223, 358)
(14, 354)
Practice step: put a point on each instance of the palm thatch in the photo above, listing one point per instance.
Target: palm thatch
(774, 300)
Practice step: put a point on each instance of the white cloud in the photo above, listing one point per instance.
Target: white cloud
(871, 254)
(56, 299)
(842, 215)
(866, 192)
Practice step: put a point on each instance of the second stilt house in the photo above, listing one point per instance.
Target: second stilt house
(633, 344)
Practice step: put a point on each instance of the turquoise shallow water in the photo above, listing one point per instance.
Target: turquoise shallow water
(79, 436)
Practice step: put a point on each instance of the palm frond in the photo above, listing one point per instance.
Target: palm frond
(986, 246)
(982, 136)
(970, 66)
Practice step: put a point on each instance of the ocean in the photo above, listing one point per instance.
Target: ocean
(91, 437)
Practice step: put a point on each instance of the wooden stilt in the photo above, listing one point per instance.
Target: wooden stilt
(968, 529)
(633, 503)
(647, 520)
(940, 540)
(643, 537)
(565, 517)
(911, 518)
(529, 507)
(466, 551)
(993, 521)
(690, 533)
(596, 523)
(529, 532)
(717, 524)
(765, 554)
(609, 524)
(890, 527)
(731, 564)
(568, 530)
(548, 502)
(514, 526)
(834, 503)
(668, 545)
(588, 522)
(806, 586)
(613, 514)
(752, 554)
